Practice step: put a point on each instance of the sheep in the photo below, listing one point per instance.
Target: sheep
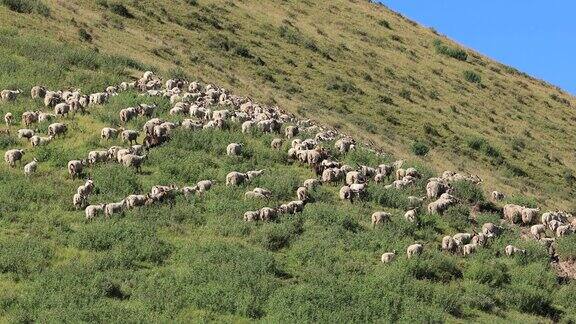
(135, 161)
(385, 170)
(204, 185)
(311, 183)
(191, 124)
(358, 189)
(292, 207)
(498, 196)
(236, 178)
(133, 201)
(435, 188)
(79, 201)
(114, 208)
(92, 211)
(127, 114)
(400, 174)
(291, 131)
(129, 136)
(303, 194)
(57, 129)
(9, 95)
(449, 244)
(137, 149)
(353, 177)
(269, 126)
(538, 231)
(28, 117)
(415, 202)
(411, 216)
(554, 224)
(8, 119)
(75, 168)
(462, 238)
(276, 143)
(13, 156)
(480, 239)
(344, 145)
(62, 109)
(267, 213)
(440, 205)
(490, 230)
(38, 92)
(39, 141)
(251, 216)
(99, 98)
(469, 249)
(234, 149)
(254, 173)
(25, 133)
(388, 257)
(513, 213)
(379, 178)
(529, 215)
(380, 217)
(253, 194)
(511, 250)
(86, 189)
(31, 167)
(345, 193)
(43, 117)
(120, 153)
(414, 250)
(412, 172)
(108, 133)
(52, 98)
(564, 230)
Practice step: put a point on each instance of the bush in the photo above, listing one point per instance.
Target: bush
(27, 6)
(384, 23)
(84, 35)
(457, 217)
(23, 256)
(492, 273)
(420, 149)
(472, 76)
(468, 191)
(120, 10)
(456, 53)
(566, 247)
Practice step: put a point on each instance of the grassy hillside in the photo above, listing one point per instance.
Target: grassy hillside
(353, 65)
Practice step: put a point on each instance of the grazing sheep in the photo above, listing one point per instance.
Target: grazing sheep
(108, 133)
(9, 95)
(311, 183)
(400, 174)
(529, 215)
(129, 136)
(513, 213)
(291, 131)
(469, 249)
(191, 124)
(511, 250)
(388, 257)
(8, 119)
(92, 211)
(449, 244)
(137, 149)
(490, 230)
(380, 217)
(480, 239)
(302, 193)
(120, 153)
(498, 196)
(564, 230)
(359, 189)
(254, 195)
(345, 193)
(38, 141)
(134, 161)
(204, 185)
(267, 213)
(62, 109)
(236, 178)
(97, 156)
(31, 167)
(127, 114)
(13, 156)
(234, 149)
(52, 98)
(43, 117)
(38, 92)
(292, 207)
(28, 117)
(385, 170)
(254, 173)
(411, 216)
(554, 224)
(57, 129)
(435, 188)
(414, 250)
(344, 145)
(133, 201)
(75, 168)
(277, 143)
(354, 177)
(86, 189)
(79, 201)
(251, 216)
(331, 175)
(439, 206)
(114, 208)
(462, 238)
(538, 231)
(25, 133)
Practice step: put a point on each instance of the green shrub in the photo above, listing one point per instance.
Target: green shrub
(420, 149)
(384, 23)
(566, 247)
(472, 76)
(120, 10)
(456, 53)
(27, 6)
(84, 35)
(468, 192)
(24, 256)
(457, 217)
(492, 273)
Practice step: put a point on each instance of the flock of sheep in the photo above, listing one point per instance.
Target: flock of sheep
(198, 101)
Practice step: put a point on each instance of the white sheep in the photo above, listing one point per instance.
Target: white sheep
(92, 211)
(388, 257)
(13, 156)
(414, 250)
(511, 250)
(234, 149)
(114, 208)
(31, 167)
(134, 161)
(380, 217)
(108, 133)
(129, 136)
(79, 201)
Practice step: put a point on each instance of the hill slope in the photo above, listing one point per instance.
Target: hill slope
(354, 65)
(337, 63)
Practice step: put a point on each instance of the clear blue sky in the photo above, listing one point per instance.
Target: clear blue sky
(534, 36)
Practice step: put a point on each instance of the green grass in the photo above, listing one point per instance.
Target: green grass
(197, 260)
